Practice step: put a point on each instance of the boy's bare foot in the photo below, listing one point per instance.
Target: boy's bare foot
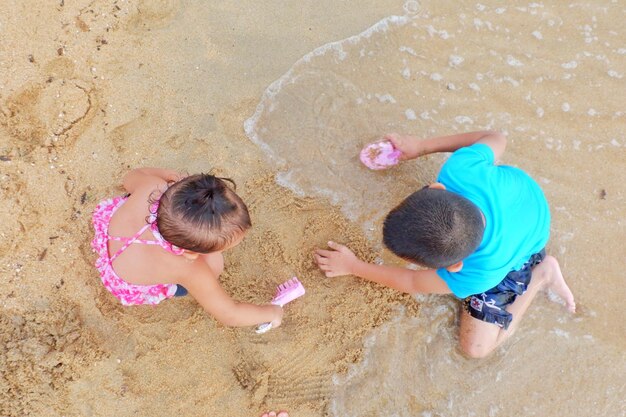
(557, 284)
(274, 414)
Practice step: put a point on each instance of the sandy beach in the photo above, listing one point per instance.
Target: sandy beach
(91, 88)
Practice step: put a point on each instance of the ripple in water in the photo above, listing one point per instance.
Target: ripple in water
(314, 120)
(412, 368)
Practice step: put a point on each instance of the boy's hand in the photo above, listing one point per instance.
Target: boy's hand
(336, 262)
(409, 146)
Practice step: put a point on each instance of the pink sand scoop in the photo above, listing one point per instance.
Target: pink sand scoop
(285, 293)
(380, 155)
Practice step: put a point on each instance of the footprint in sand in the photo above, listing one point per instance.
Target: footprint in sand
(54, 112)
(18, 208)
(153, 14)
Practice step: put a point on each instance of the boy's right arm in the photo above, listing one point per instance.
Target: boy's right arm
(402, 279)
(412, 147)
(341, 261)
(206, 290)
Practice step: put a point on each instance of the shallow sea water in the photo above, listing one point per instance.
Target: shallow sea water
(550, 76)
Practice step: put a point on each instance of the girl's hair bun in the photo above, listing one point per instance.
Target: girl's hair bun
(201, 213)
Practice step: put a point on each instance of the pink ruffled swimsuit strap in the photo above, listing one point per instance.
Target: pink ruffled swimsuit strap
(160, 240)
(130, 241)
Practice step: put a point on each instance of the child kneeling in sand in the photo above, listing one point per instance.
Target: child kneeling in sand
(166, 237)
(480, 230)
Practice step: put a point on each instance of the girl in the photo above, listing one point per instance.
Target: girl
(166, 237)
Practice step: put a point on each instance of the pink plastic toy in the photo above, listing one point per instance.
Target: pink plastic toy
(380, 155)
(285, 293)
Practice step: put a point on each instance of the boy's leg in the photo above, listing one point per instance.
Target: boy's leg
(478, 338)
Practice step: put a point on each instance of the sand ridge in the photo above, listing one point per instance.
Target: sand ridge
(44, 350)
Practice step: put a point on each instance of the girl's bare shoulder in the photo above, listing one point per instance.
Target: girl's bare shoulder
(185, 272)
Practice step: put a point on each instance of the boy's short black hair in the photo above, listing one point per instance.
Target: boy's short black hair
(434, 228)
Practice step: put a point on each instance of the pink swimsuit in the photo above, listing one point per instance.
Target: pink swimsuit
(128, 294)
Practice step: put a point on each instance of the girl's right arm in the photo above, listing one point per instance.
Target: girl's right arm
(412, 147)
(205, 288)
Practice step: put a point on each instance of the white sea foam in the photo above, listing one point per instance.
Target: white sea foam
(385, 98)
(411, 7)
(570, 65)
(441, 33)
(514, 62)
(455, 60)
(464, 120)
(561, 333)
(408, 50)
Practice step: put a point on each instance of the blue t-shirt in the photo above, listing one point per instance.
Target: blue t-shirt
(517, 218)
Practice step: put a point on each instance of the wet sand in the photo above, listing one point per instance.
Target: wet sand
(92, 88)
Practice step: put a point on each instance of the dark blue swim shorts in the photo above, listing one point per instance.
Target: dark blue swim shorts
(490, 306)
(180, 291)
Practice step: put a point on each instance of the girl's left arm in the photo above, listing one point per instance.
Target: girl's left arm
(141, 177)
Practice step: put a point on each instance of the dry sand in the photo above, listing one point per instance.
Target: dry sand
(91, 88)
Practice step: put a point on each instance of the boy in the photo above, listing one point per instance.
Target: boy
(481, 232)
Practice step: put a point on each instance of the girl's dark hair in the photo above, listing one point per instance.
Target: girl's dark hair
(434, 228)
(201, 213)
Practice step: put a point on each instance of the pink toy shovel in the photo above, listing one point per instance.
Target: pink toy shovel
(380, 155)
(285, 293)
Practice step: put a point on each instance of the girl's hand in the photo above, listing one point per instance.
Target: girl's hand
(410, 147)
(336, 262)
(278, 316)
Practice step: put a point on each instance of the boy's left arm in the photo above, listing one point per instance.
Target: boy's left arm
(341, 261)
